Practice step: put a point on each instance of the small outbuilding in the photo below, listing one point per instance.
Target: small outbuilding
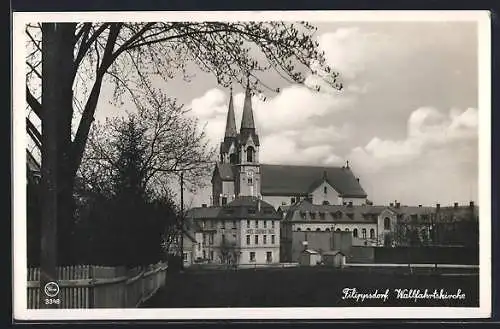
(334, 258)
(310, 257)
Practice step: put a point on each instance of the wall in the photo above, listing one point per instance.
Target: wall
(216, 190)
(319, 195)
(228, 190)
(380, 222)
(260, 255)
(430, 255)
(316, 241)
(364, 255)
(355, 201)
(244, 187)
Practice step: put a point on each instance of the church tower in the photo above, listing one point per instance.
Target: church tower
(248, 180)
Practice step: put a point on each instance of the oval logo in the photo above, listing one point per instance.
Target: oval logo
(51, 289)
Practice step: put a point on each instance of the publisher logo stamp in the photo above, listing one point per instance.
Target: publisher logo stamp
(51, 289)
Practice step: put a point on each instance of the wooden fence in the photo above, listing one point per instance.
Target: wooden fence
(88, 286)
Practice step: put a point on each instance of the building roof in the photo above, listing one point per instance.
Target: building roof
(244, 207)
(310, 251)
(299, 180)
(305, 211)
(333, 252)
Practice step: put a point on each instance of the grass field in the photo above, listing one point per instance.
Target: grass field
(309, 287)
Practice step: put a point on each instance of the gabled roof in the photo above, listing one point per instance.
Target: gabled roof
(244, 207)
(298, 180)
(224, 171)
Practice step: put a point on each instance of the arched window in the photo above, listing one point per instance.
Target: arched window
(318, 229)
(308, 229)
(355, 233)
(298, 229)
(327, 229)
(372, 234)
(363, 232)
(387, 223)
(337, 230)
(250, 154)
(347, 230)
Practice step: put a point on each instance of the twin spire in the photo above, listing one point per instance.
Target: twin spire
(247, 121)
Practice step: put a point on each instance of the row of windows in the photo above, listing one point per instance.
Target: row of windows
(264, 239)
(355, 232)
(269, 256)
(264, 223)
(212, 224)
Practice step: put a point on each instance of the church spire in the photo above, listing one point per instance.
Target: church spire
(247, 121)
(231, 121)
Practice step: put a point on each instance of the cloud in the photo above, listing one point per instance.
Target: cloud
(426, 128)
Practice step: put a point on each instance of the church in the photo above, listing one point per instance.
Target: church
(242, 223)
(240, 173)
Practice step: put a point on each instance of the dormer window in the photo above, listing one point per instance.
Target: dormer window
(313, 215)
(250, 154)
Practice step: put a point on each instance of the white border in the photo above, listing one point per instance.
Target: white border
(19, 171)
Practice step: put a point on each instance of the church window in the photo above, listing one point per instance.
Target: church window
(327, 229)
(363, 232)
(337, 230)
(347, 229)
(224, 200)
(250, 154)
(308, 229)
(318, 229)
(372, 234)
(325, 189)
(355, 233)
(387, 223)
(250, 181)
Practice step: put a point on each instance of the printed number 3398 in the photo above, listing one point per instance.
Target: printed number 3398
(50, 301)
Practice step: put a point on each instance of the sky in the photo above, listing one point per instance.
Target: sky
(406, 120)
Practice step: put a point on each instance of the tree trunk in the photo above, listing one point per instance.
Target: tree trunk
(57, 61)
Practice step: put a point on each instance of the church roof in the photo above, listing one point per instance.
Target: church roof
(247, 121)
(225, 171)
(230, 121)
(299, 180)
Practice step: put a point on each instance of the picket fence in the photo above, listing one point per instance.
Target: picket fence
(89, 286)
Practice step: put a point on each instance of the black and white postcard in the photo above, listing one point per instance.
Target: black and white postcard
(251, 165)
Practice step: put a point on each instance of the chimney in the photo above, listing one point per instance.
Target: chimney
(398, 204)
(357, 179)
(471, 204)
(438, 206)
(204, 205)
(455, 205)
(420, 206)
(258, 205)
(391, 204)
